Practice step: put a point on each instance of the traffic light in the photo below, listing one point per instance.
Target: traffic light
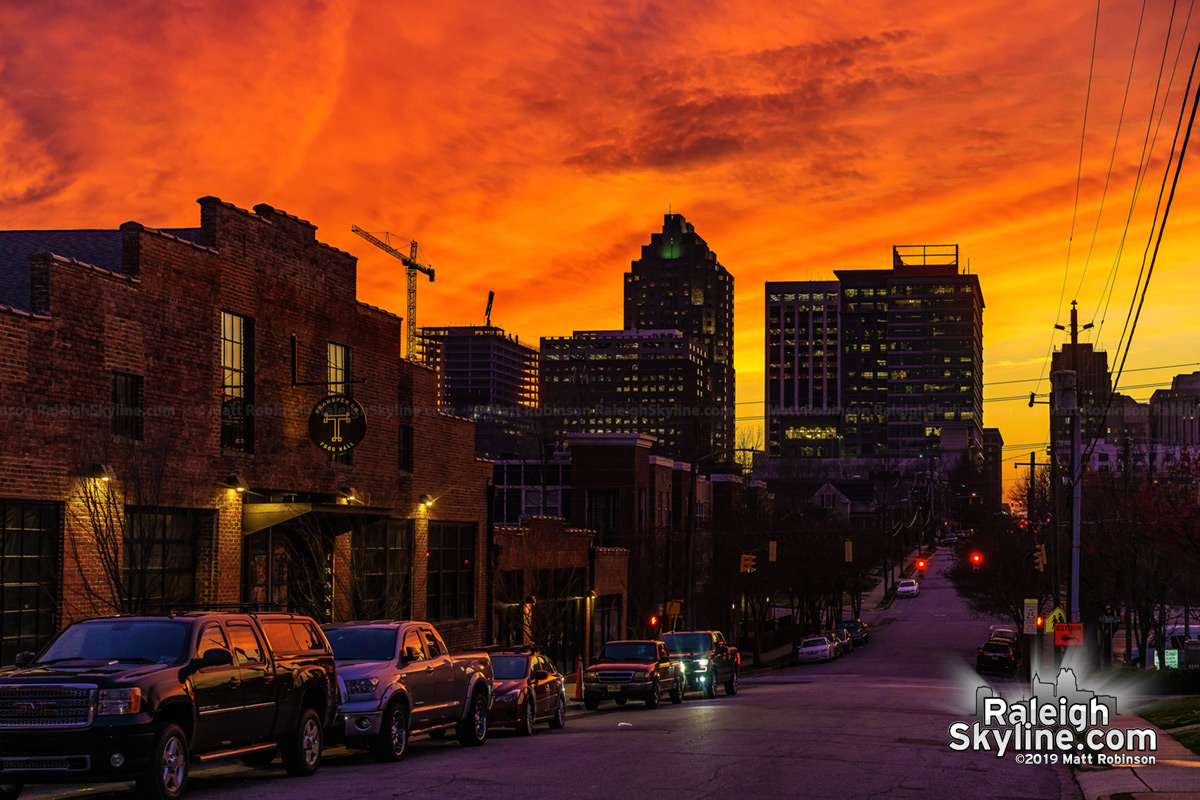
(976, 560)
(921, 564)
(1039, 622)
(653, 622)
(1039, 558)
(747, 562)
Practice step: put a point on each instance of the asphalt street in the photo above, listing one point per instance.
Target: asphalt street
(871, 724)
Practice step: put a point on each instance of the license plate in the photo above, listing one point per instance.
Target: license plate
(996, 658)
(613, 688)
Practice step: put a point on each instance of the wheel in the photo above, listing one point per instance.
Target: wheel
(622, 701)
(167, 774)
(654, 696)
(258, 759)
(525, 724)
(731, 685)
(710, 684)
(473, 730)
(301, 750)
(10, 791)
(560, 715)
(393, 734)
(677, 694)
(591, 702)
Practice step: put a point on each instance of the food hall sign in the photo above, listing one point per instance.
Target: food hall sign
(337, 424)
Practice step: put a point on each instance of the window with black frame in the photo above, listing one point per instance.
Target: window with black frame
(160, 555)
(450, 575)
(339, 376)
(383, 560)
(127, 405)
(29, 542)
(237, 370)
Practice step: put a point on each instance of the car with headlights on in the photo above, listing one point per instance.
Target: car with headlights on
(638, 669)
(815, 648)
(528, 690)
(908, 588)
(707, 659)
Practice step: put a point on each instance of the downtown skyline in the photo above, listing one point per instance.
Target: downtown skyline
(532, 149)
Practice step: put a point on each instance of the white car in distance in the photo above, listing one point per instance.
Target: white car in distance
(817, 648)
(908, 588)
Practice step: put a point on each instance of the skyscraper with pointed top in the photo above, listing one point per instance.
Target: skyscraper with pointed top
(678, 284)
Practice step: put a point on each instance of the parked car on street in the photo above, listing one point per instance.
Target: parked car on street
(528, 690)
(707, 659)
(816, 648)
(908, 588)
(857, 629)
(1009, 635)
(997, 656)
(835, 643)
(142, 698)
(639, 669)
(845, 643)
(398, 679)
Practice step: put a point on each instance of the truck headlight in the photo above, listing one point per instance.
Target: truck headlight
(362, 686)
(590, 677)
(118, 701)
(702, 663)
(641, 676)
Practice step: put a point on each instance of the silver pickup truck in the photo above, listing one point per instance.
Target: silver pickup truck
(397, 679)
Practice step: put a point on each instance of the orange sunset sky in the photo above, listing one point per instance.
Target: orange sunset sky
(532, 148)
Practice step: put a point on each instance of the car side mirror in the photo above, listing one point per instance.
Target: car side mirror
(24, 659)
(216, 657)
(540, 674)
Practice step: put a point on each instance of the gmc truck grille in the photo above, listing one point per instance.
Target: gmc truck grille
(42, 706)
(615, 677)
(46, 764)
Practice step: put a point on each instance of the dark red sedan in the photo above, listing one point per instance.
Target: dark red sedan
(528, 690)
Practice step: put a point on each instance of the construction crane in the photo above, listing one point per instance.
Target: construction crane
(412, 267)
(487, 315)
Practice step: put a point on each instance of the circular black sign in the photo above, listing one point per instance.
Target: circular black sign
(337, 424)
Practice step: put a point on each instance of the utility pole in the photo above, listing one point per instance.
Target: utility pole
(1069, 386)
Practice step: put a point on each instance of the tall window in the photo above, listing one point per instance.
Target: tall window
(127, 405)
(382, 561)
(338, 376)
(450, 576)
(29, 539)
(237, 369)
(406, 448)
(160, 555)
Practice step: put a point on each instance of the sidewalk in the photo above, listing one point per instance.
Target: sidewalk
(1175, 776)
(873, 600)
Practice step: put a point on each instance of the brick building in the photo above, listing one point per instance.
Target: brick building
(557, 590)
(156, 389)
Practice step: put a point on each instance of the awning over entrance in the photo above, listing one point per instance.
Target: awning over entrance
(258, 516)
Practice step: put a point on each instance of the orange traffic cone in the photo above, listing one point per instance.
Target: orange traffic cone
(578, 678)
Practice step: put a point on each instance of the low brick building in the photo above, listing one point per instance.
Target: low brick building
(555, 589)
(156, 389)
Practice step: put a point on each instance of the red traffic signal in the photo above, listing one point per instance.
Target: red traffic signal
(921, 564)
(1040, 621)
(653, 621)
(976, 558)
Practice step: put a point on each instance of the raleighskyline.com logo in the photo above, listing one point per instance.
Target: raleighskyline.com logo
(1059, 723)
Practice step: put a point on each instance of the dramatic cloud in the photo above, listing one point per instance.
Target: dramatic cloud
(531, 148)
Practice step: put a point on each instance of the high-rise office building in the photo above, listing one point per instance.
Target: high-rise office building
(649, 382)
(908, 360)
(1094, 384)
(678, 284)
(1175, 412)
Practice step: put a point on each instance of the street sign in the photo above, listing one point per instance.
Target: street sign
(1173, 659)
(1110, 619)
(1030, 619)
(1054, 616)
(1068, 633)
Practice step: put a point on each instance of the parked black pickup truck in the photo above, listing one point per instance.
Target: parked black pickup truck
(142, 698)
(707, 660)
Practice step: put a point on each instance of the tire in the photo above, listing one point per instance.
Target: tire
(473, 730)
(621, 701)
(166, 776)
(677, 694)
(559, 720)
(301, 750)
(731, 685)
(654, 697)
(528, 716)
(710, 684)
(591, 702)
(393, 734)
(11, 791)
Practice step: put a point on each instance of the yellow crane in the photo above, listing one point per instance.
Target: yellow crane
(412, 267)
